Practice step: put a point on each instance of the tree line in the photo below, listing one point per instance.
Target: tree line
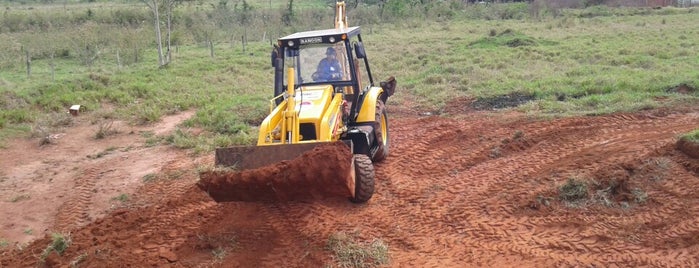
(122, 31)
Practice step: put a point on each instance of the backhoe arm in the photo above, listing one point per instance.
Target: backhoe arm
(340, 15)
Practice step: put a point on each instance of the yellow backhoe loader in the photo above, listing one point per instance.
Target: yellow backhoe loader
(327, 124)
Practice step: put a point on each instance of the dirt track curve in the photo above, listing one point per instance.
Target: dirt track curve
(476, 189)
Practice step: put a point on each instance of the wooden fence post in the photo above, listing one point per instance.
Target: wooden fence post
(211, 48)
(118, 59)
(53, 67)
(29, 64)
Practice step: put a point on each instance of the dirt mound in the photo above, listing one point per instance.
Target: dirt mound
(324, 171)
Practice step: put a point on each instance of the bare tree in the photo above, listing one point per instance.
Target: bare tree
(155, 5)
(169, 4)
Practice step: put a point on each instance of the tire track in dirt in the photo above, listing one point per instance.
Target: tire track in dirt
(74, 213)
(668, 209)
(177, 207)
(589, 166)
(303, 230)
(157, 231)
(428, 214)
(174, 179)
(481, 175)
(289, 222)
(481, 178)
(424, 217)
(180, 216)
(622, 160)
(405, 193)
(169, 210)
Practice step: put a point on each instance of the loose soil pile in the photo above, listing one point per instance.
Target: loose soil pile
(477, 189)
(324, 171)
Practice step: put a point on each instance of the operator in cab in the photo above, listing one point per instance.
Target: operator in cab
(328, 68)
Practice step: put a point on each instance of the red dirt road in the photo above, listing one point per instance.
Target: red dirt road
(476, 189)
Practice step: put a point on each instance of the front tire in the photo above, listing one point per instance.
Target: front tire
(364, 179)
(381, 132)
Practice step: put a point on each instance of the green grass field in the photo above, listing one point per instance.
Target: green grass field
(580, 62)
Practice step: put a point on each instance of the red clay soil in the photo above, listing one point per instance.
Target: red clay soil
(474, 189)
(324, 171)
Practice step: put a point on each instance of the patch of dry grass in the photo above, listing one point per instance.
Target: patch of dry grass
(349, 252)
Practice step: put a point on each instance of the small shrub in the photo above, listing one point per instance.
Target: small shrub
(151, 138)
(153, 141)
(149, 114)
(20, 198)
(657, 169)
(573, 190)
(663, 163)
(60, 119)
(147, 134)
(59, 243)
(149, 177)
(518, 135)
(220, 244)
(105, 128)
(182, 139)
(639, 195)
(175, 175)
(47, 124)
(78, 260)
(495, 152)
(541, 200)
(604, 197)
(102, 153)
(219, 254)
(16, 116)
(122, 198)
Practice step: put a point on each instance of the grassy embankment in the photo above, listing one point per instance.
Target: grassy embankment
(580, 62)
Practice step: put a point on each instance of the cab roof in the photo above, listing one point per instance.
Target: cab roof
(318, 37)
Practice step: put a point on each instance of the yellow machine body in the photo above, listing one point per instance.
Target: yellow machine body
(317, 107)
(308, 112)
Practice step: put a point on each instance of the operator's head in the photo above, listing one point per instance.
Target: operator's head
(330, 52)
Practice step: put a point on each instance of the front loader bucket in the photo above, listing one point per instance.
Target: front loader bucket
(281, 173)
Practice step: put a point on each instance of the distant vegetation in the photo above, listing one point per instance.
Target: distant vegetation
(101, 54)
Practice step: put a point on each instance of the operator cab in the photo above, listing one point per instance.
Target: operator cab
(308, 53)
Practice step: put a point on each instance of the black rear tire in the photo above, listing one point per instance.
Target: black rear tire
(381, 131)
(364, 179)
